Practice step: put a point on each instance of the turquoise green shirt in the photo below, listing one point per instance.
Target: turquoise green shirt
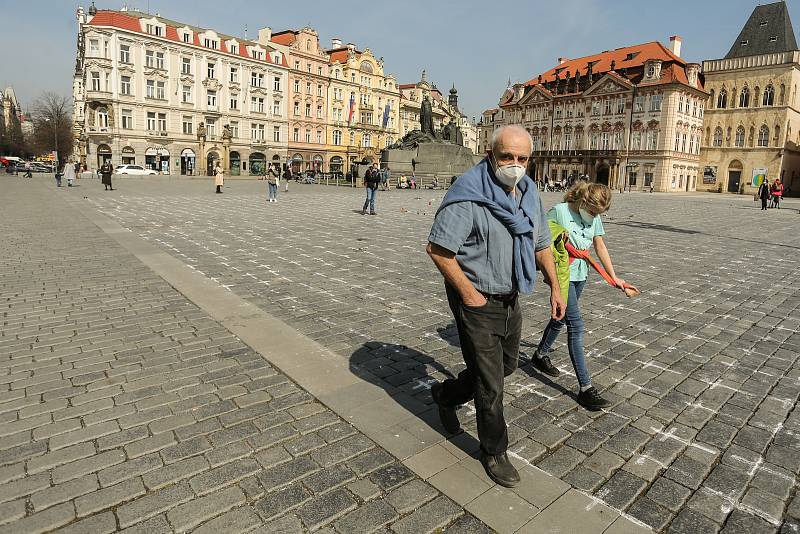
(580, 236)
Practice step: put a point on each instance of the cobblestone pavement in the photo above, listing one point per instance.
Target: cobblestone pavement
(702, 369)
(123, 406)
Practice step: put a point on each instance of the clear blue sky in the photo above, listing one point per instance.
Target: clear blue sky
(477, 45)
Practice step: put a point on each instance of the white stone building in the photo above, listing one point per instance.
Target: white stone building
(630, 117)
(177, 98)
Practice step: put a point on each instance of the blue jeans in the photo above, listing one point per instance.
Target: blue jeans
(575, 328)
(273, 191)
(370, 201)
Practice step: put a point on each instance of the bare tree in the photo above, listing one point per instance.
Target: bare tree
(52, 121)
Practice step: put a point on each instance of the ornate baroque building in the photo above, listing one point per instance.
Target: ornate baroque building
(444, 111)
(752, 124)
(175, 97)
(308, 99)
(364, 107)
(630, 117)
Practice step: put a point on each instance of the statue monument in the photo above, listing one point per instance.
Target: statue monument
(426, 152)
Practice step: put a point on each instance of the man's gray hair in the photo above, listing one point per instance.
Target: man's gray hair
(498, 133)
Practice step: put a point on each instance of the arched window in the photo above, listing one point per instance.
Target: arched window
(711, 100)
(744, 98)
(769, 96)
(718, 136)
(739, 142)
(352, 139)
(102, 117)
(763, 133)
(366, 140)
(777, 141)
(728, 136)
(337, 137)
(722, 99)
(308, 44)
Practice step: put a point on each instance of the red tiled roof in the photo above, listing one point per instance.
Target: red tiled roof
(286, 37)
(407, 85)
(118, 20)
(340, 55)
(130, 23)
(602, 61)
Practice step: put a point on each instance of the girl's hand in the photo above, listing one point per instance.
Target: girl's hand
(631, 292)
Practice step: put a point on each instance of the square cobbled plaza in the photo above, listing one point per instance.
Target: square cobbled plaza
(172, 360)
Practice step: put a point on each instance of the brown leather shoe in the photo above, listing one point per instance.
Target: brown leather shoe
(447, 414)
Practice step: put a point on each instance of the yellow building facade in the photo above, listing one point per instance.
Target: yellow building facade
(363, 108)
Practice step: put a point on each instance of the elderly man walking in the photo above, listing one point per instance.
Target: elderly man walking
(488, 236)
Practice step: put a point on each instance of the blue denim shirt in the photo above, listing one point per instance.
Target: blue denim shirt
(483, 246)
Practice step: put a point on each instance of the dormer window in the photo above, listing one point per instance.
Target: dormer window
(187, 37)
(277, 57)
(651, 71)
(152, 27)
(211, 43)
(763, 23)
(745, 42)
(773, 39)
(234, 49)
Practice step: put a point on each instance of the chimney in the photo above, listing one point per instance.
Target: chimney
(264, 36)
(336, 42)
(562, 60)
(675, 45)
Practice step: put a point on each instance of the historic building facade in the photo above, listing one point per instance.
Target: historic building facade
(13, 126)
(177, 98)
(444, 111)
(752, 126)
(308, 99)
(631, 118)
(364, 107)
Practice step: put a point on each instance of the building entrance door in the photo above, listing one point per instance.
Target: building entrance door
(602, 175)
(733, 181)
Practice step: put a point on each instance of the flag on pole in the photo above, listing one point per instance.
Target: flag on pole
(386, 113)
(352, 107)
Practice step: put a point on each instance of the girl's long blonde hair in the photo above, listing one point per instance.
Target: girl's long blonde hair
(597, 197)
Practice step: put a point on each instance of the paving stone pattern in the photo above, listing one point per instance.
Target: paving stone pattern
(702, 369)
(124, 407)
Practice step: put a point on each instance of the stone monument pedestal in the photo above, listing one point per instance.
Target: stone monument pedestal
(444, 160)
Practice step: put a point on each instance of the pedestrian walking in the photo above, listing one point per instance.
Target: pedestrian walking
(777, 193)
(69, 174)
(764, 194)
(287, 175)
(219, 177)
(273, 180)
(372, 180)
(59, 174)
(488, 237)
(385, 176)
(106, 170)
(579, 215)
(28, 173)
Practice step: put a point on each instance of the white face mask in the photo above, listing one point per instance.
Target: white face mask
(587, 217)
(509, 175)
